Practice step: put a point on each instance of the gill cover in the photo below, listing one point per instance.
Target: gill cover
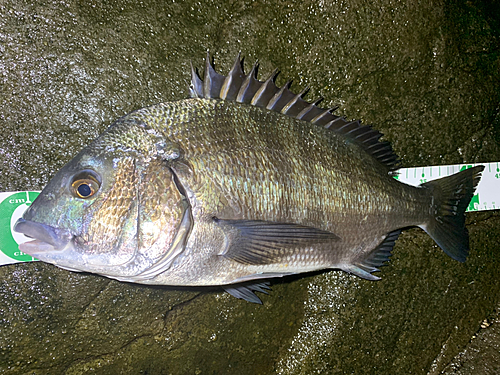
(165, 221)
(144, 211)
(118, 205)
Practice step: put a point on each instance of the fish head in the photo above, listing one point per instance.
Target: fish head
(115, 209)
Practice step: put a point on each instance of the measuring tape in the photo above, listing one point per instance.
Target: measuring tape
(487, 196)
(12, 207)
(13, 204)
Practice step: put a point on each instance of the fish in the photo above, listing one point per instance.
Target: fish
(243, 182)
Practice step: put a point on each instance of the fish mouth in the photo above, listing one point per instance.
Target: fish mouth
(46, 237)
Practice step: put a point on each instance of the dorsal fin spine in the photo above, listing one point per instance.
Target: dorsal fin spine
(213, 82)
(331, 123)
(308, 109)
(233, 80)
(321, 115)
(196, 88)
(294, 100)
(376, 145)
(272, 105)
(259, 99)
(244, 94)
(225, 87)
(249, 90)
(207, 82)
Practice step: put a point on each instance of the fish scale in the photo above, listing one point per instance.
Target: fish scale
(221, 170)
(243, 182)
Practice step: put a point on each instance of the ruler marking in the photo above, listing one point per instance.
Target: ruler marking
(485, 198)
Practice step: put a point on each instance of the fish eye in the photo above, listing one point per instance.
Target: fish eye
(85, 184)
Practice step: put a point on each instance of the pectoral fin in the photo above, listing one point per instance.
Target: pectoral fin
(265, 242)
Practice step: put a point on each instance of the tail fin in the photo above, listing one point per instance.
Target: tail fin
(452, 195)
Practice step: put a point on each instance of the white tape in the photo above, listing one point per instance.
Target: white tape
(13, 204)
(12, 207)
(487, 195)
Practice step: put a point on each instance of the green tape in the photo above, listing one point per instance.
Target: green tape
(12, 207)
(487, 195)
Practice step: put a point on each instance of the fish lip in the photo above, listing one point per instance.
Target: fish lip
(43, 235)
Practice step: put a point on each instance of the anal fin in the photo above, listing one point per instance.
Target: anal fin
(375, 259)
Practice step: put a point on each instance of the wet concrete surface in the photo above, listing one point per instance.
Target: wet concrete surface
(482, 354)
(426, 75)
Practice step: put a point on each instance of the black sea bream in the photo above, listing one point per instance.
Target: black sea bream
(244, 181)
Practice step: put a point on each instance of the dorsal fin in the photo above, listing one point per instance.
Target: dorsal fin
(246, 88)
